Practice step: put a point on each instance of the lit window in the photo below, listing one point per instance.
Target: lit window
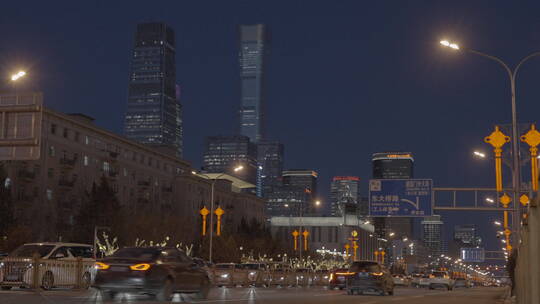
(49, 194)
(86, 160)
(51, 151)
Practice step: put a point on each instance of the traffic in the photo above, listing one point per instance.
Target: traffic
(162, 272)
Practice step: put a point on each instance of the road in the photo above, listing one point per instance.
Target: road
(481, 295)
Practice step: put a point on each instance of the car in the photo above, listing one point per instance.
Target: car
(400, 280)
(155, 271)
(415, 279)
(282, 275)
(257, 274)
(369, 276)
(229, 274)
(338, 278)
(440, 279)
(321, 277)
(58, 266)
(461, 282)
(424, 281)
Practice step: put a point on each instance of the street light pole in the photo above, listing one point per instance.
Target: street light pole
(516, 170)
(212, 190)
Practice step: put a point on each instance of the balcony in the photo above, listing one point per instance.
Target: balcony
(67, 162)
(26, 175)
(66, 183)
(143, 183)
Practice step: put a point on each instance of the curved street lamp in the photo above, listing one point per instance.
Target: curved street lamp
(516, 184)
(213, 183)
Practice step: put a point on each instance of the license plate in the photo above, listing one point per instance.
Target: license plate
(363, 274)
(341, 277)
(118, 268)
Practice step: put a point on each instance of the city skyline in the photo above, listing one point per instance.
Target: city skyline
(455, 150)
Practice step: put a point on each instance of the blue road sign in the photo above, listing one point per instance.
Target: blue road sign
(472, 255)
(400, 197)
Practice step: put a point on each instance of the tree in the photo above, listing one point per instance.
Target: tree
(99, 208)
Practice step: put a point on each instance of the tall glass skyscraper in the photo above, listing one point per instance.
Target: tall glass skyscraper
(153, 113)
(270, 161)
(253, 44)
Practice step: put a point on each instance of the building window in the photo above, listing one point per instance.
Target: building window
(106, 166)
(49, 194)
(53, 128)
(65, 133)
(125, 172)
(50, 172)
(85, 160)
(86, 140)
(52, 152)
(77, 136)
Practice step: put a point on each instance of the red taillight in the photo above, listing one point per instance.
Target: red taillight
(377, 274)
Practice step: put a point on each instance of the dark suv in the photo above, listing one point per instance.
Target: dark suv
(369, 276)
(155, 271)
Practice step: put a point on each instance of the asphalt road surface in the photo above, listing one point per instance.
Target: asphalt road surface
(480, 295)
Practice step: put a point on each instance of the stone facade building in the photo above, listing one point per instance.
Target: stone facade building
(74, 154)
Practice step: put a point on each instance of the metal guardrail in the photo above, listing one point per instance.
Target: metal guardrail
(46, 274)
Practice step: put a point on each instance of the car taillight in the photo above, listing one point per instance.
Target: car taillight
(331, 277)
(102, 266)
(140, 267)
(377, 274)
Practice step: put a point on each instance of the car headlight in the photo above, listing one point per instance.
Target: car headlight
(252, 273)
(225, 275)
(1, 265)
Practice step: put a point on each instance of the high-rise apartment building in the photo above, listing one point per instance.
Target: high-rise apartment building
(432, 234)
(253, 47)
(344, 193)
(224, 153)
(153, 113)
(270, 161)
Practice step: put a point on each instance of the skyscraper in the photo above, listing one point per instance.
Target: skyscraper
(253, 47)
(153, 113)
(432, 234)
(304, 182)
(344, 192)
(270, 161)
(393, 165)
(224, 153)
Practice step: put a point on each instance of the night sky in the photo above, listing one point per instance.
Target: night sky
(345, 78)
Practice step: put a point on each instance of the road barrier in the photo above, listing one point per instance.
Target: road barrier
(526, 286)
(46, 274)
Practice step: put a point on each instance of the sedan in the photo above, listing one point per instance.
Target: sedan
(155, 271)
(369, 276)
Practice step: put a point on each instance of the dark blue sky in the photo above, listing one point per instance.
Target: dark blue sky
(345, 78)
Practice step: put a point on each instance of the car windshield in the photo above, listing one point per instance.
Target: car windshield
(224, 266)
(251, 266)
(364, 267)
(145, 254)
(27, 251)
(81, 251)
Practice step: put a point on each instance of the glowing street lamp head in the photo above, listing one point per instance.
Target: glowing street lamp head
(479, 154)
(317, 203)
(490, 200)
(449, 44)
(18, 75)
(238, 168)
(497, 223)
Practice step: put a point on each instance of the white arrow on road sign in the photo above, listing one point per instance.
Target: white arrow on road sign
(416, 205)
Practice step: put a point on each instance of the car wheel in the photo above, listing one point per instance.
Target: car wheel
(165, 293)
(203, 292)
(6, 287)
(86, 281)
(341, 288)
(107, 295)
(382, 293)
(47, 282)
